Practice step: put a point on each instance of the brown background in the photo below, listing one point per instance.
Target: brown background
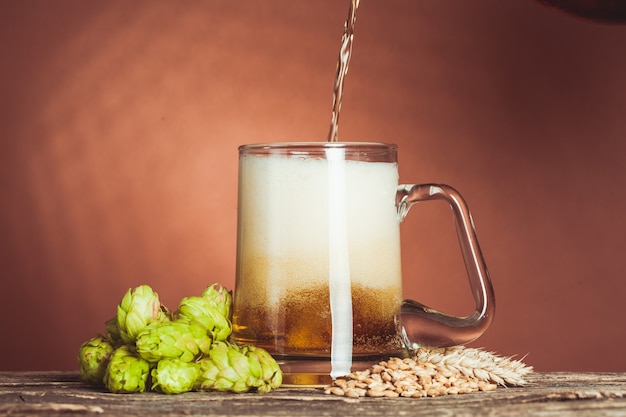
(119, 123)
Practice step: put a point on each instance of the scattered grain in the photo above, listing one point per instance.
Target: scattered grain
(433, 372)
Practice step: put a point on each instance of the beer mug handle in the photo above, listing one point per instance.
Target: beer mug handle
(424, 326)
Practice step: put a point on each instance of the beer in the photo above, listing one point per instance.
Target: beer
(299, 324)
(290, 230)
(343, 62)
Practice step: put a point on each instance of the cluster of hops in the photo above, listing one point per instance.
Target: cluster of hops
(149, 347)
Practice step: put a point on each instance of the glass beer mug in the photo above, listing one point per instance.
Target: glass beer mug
(319, 282)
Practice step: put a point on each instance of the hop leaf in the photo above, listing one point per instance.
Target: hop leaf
(126, 371)
(173, 376)
(229, 368)
(138, 308)
(93, 357)
(205, 312)
(180, 339)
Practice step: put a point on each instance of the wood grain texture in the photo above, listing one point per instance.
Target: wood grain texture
(548, 394)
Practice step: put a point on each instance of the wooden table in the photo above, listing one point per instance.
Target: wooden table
(548, 394)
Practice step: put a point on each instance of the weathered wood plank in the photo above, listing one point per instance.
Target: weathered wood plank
(548, 394)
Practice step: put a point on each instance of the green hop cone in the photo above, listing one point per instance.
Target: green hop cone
(230, 368)
(220, 298)
(112, 332)
(207, 314)
(181, 339)
(138, 308)
(93, 357)
(225, 369)
(173, 376)
(271, 376)
(126, 371)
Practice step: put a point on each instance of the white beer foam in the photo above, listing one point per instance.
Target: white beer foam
(285, 222)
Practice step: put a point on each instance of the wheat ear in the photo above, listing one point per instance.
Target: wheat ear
(476, 363)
